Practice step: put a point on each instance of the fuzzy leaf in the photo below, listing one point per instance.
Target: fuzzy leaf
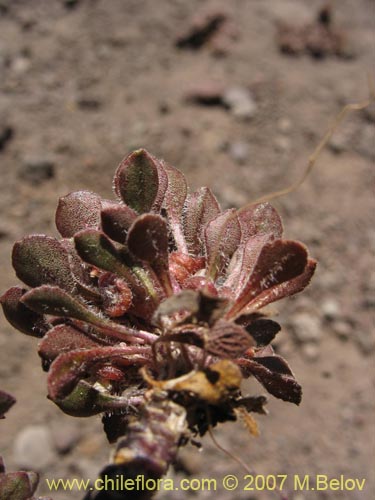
(174, 201)
(86, 400)
(228, 340)
(179, 307)
(18, 485)
(211, 308)
(285, 289)
(53, 300)
(137, 181)
(243, 261)
(95, 248)
(161, 168)
(222, 237)
(6, 402)
(253, 403)
(116, 220)
(77, 211)
(20, 316)
(147, 240)
(63, 338)
(275, 375)
(260, 219)
(68, 368)
(80, 271)
(279, 262)
(200, 208)
(116, 295)
(42, 260)
(263, 331)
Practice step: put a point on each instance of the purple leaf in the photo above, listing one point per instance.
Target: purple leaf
(42, 260)
(228, 340)
(63, 338)
(94, 247)
(243, 261)
(200, 208)
(222, 237)
(68, 368)
(77, 211)
(161, 168)
(275, 375)
(279, 262)
(6, 402)
(285, 289)
(53, 300)
(260, 219)
(80, 271)
(174, 201)
(18, 485)
(20, 316)
(137, 181)
(116, 295)
(148, 241)
(116, 220)
(263, 331)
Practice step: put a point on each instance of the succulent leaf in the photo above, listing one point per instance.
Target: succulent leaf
(18, 485)
(261, 218)
(222, 237)
(6, 402)
(68, 368)
(279, 262)
(137, 181)
(174, 201)
(275, 375)
(116, 220)
(77, 211)
(42, 260)
(148, 241)
(200, 208)
(20, 316)
(63, 338)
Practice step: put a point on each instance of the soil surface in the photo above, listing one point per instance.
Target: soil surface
(82, 83)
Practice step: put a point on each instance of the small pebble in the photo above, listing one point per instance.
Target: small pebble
(311, 351)
(33, 448)
(240, 102)
(331, 309)
(282, 143)
(306, 328)
(342, 329)
(239, 151)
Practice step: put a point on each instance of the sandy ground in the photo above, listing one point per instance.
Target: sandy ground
(83, 83)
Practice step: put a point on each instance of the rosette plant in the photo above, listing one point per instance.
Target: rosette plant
(149, 310)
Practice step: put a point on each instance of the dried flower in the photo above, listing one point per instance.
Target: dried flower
(149, 309)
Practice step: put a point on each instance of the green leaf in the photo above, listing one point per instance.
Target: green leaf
(20, 316)
(42, 260)
(137, 182)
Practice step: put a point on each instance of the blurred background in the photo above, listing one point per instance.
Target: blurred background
(236, 95)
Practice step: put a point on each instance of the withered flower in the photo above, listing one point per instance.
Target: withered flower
(149, 309)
